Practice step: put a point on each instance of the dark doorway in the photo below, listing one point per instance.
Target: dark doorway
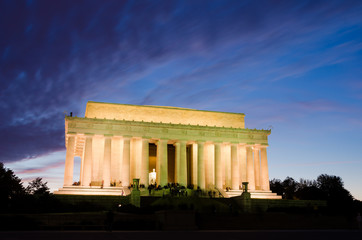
(189, 162)
(171, 163)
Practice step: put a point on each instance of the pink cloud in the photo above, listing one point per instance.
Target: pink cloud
(316, 163)
(42, 169)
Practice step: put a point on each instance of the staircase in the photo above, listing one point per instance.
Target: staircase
(256, 194)
(94, 190)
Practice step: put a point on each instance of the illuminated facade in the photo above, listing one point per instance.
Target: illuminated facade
(119, 142)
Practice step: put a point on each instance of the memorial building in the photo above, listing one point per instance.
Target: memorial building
(159, 145)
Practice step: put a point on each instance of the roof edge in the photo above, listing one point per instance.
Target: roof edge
(166, 107)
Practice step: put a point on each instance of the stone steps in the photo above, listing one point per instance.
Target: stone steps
(123, 191)
(256, 194)
(95, 190)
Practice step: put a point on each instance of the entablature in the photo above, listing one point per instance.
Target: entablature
(164, 130)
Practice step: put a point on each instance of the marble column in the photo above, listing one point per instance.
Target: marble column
(257, 167)
(107, 162)
(218, 168)
(162, 162)
(69, 161)
(200, 165)
(183, 164)
(227, 157)
(145, 162)
(234, 167)
(264, 172)
(136, 159)
(81, 167)
(87, 169)
(97, 158)
(116, 159)
(194, 164)
(242, 163)
(177, 162)
(126, 161)
(250, 168)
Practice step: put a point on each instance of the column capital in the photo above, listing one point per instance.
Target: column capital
(71, 134)
(108, 135)
(263, 146)
(161, 141)
(146, 138)
(256, 147)
(117, 136)
(98, 135)
(127, 137)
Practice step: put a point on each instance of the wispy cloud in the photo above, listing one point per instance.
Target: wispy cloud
(219, 55)
(312, 164)
(42, 169)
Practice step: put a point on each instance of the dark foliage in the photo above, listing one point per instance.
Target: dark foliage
(37, 187)
(15, 198)
(11, 188)
(326, 187)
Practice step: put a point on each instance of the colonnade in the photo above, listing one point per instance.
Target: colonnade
(108, 159)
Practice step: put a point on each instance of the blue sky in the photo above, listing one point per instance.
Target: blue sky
(292, 66)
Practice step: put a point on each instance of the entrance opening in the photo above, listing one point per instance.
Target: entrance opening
(171, 163)
(77, 171)
(152, 149)
(188, 162)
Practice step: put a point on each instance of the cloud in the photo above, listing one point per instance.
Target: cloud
(42, 169)
(316, 164)
(216, 55)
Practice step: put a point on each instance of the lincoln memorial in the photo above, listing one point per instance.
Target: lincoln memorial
(159, 145)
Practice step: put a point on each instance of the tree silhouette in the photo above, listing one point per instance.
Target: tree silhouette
(11, 188)
(290, 187)
(334, 192)
(37, 187)
(327, 187)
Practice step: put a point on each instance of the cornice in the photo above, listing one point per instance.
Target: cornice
(165, 107)
(161, 124)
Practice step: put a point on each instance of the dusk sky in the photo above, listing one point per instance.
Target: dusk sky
(294, 67)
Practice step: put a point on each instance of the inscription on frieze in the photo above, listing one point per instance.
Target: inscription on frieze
(99, 126)
(117, 127)
(210, 134)
(192, 132)
(240, 135)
